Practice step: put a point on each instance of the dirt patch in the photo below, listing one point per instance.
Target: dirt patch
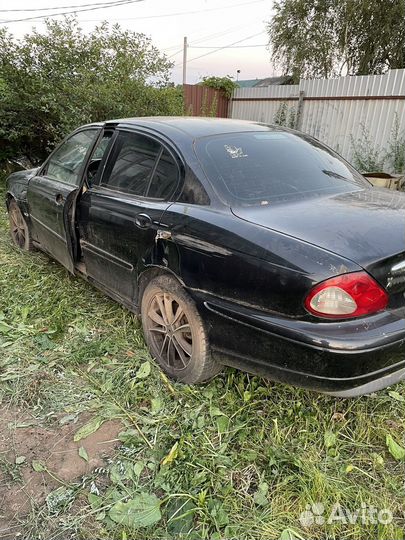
(24, 441)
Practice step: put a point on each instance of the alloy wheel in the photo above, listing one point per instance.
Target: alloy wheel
(170, 331)
(17, 226)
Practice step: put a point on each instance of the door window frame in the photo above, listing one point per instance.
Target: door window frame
(98, 186)
(104, 159)
(43, 172)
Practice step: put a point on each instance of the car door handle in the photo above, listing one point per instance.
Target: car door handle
(59, 199)
(143, 221)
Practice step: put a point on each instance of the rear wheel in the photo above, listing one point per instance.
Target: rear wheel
(19, 230)
(175, 333)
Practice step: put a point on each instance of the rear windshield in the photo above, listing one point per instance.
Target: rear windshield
(260, 167)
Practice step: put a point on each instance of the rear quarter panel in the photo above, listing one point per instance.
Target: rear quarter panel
(245, 263)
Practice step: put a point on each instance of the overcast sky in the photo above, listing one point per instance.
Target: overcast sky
(206, 23)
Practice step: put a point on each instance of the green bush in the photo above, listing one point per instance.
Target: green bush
(224, 84)
(54, 81)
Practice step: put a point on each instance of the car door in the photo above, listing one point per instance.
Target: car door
(120, 214)
(50, 194)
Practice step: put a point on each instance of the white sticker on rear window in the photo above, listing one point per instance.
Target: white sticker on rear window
(234, 151)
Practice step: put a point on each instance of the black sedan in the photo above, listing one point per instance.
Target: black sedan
(238, 243)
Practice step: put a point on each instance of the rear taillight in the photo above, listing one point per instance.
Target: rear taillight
(346, 296)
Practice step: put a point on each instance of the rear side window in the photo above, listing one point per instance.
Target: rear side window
(265, 166)
(141, 166)
(165, 177)
(131, 163)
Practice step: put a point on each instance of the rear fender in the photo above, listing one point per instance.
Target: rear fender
(162, 258)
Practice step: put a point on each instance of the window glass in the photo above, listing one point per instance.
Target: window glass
(97, 156)
(66, 162)
(257, 167)
(165, 179)
(102, 146)
(131, 163)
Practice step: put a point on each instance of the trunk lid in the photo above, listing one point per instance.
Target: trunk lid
(366, 226)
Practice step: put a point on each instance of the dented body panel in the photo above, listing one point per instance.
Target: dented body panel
(225, 256)
(249, 268)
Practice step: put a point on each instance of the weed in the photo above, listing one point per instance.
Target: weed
(367, 156)
(285, 116)
(240, 457)
(207, 109)
(395, 154)
(11, 471)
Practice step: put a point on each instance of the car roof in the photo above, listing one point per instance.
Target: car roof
(193, 126)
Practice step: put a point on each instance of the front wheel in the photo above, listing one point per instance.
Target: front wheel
(19, 230)
(175, 333)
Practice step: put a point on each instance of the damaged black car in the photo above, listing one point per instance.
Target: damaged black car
(237, 243)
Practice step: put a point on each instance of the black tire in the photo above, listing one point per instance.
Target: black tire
(175, 332)
(19, 229)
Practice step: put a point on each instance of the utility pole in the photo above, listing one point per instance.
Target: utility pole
(185, 60)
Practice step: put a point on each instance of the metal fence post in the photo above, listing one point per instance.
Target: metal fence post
(300, 105)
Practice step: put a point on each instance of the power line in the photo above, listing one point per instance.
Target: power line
(224, 47)
(176, 53)
(225, 32)
(111, 4)
(208, 37)
(235, 47)
(180, 13)
(216, 47)
(169, 48)
(124, 2)
(54, 7)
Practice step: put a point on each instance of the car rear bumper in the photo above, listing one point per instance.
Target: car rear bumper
(345, 358)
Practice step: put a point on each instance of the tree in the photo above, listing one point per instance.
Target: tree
(327, 38)
(54, 81)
